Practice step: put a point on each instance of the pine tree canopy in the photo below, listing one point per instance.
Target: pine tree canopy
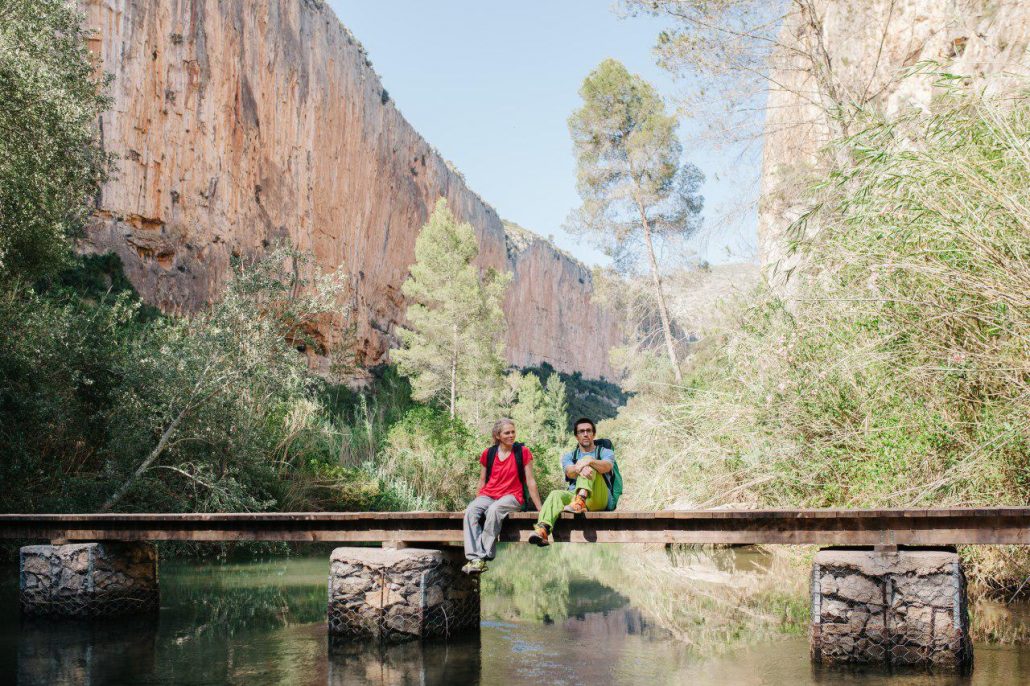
(453, 348)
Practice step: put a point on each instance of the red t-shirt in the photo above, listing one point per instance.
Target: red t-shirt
(504, 477)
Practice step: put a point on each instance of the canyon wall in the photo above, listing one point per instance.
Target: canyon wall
(238, 123)
(869, 46)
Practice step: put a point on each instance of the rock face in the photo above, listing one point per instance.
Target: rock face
(88, 579)
(236, 124)
(894, 609)
(870, 44)
(400, 595)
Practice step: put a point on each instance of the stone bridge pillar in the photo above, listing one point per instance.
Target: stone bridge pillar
(88, 579)
(400, 594)
(898, 608)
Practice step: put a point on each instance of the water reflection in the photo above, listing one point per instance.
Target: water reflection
(85, 653)
(408, 664)
(567, 615)
(709, 600)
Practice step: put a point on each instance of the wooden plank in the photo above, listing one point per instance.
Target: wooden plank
(950, 526)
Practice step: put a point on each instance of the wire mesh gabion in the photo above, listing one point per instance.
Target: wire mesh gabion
(400, 595)
(905, 609)
(87, 580)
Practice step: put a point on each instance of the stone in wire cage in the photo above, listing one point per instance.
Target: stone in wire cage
(88, 579)
(900, 609)
(400, 595)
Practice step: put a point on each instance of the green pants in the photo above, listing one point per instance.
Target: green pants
(597, 499)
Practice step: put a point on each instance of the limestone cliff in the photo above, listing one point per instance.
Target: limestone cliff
(869, 45)
(239, 122)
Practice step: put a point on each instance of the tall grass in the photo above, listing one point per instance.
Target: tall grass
(895, 370)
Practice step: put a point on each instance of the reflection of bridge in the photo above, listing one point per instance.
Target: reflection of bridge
(893, 594)
(919, 527)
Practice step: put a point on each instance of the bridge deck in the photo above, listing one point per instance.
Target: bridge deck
(925, 527)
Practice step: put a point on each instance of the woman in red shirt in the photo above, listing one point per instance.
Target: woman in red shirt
(502, 493)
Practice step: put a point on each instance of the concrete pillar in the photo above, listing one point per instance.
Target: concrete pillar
(906, 607)
(399, 595)
(88, 579)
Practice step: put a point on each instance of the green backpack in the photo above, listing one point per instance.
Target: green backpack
(612, 479)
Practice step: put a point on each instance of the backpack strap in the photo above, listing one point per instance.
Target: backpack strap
(520, 465)
(609, 476)
(516, 452)
(575, 459)
(491, 455)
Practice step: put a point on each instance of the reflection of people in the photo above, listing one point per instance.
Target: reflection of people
(505, 477)
(584, 469)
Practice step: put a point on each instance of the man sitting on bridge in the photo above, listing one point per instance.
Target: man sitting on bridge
(584, 470)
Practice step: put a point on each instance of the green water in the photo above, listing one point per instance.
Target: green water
(568, 615)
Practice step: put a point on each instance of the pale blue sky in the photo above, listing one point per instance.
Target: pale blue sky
(492, 84)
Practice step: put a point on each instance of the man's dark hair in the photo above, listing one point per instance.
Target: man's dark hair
(584, 420)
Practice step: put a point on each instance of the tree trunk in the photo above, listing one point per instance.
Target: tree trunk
(141, 470)
(454, 370)
(822, 69)
(662, 310)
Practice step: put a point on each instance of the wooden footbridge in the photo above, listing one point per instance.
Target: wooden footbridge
(909, 527)
(902, 603)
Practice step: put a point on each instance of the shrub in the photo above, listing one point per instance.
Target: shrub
(433, 458)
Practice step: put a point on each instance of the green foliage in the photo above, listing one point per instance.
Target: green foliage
(681, 589)
(556, 410)
(51, 160)
(540, 415)
(894, 373)
(432, 460)
(91, 383)
(453, 351)
(58, 380)
(529, 411)
(595, 398)
(211, 390)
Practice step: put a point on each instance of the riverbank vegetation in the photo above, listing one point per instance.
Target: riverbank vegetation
(893, 369)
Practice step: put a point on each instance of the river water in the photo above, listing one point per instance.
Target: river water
(564, 615)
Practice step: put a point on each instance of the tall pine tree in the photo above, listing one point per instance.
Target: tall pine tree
(453, 346)
(634, 185)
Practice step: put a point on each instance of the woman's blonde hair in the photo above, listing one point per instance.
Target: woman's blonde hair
(499, 426)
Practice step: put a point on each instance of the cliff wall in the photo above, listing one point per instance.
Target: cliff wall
(870, 45)
(237, 123)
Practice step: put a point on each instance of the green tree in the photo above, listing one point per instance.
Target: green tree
(634, 185)
(51, 159)
(556, 405)
(204, 398)
(453, 348)
(529, 411)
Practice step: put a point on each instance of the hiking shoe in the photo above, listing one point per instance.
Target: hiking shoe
(475, 567)
(539, 536)
(577, 506)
